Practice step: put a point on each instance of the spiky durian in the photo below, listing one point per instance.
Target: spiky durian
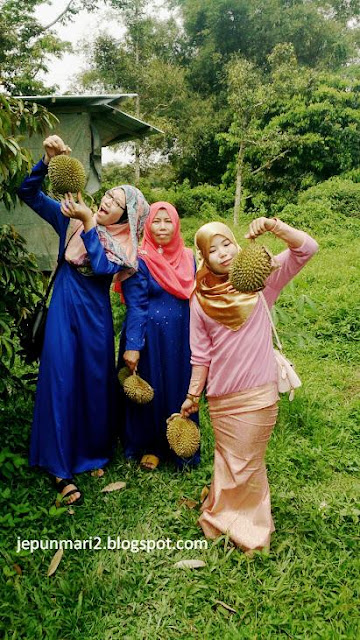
(183, 436)
(138, 389)
(250, 268)
(123, 373)
(66, 174)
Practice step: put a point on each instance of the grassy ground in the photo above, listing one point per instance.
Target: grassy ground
(307, 587)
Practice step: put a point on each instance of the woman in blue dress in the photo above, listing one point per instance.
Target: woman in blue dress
(155, 335)
(74, 416)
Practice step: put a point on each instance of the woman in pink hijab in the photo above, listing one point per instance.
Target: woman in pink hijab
(155, 335)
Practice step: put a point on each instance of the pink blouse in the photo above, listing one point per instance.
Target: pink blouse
(243, 359)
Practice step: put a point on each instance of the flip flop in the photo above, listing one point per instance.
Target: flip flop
(149, 462)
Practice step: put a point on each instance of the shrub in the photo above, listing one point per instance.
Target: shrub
(201, 201)
(342, 194)
(19, 280)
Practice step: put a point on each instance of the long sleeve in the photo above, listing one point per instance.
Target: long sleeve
(100, 263)
(47, 208)
(136, 293)
(291, 262)
(199, 375)
(200, 341)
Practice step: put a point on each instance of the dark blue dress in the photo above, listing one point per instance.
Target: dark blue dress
(157, 325)
(74, 417)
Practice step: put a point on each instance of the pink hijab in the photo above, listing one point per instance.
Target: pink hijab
(172, 265)
(120, 240)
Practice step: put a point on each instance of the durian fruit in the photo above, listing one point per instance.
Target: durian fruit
(138, 389)
(183, 435)
(66, 174)
(123, 373)
(250, 268)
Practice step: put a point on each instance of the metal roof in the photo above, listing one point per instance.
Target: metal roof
(113, 124)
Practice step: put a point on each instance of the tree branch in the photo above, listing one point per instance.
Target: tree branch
(51, 24)
(270, 162)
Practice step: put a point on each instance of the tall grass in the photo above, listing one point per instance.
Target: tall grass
(306, 587)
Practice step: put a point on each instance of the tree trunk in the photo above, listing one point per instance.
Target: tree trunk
(238, 191)
(137, 108)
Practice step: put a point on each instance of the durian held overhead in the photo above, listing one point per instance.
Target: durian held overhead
(250, 268)
(138, 389)
(66, 174)
(183, 435)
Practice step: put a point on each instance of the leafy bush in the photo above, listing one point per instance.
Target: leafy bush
(16, 119)
(326, 206)
(19, 281)
(342, 194)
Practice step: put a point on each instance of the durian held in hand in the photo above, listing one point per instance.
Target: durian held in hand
(183, 435)
(67, 175)
(250, 268)
(123, 374)
(138, 389)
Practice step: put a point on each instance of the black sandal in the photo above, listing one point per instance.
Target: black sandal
(61, 485)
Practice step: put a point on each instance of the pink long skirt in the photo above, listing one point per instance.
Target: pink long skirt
(238, 503)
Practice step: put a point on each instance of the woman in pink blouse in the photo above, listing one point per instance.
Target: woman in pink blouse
(232, 353)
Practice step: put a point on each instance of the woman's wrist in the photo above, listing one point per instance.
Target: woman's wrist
(277, 227)
(193, 398)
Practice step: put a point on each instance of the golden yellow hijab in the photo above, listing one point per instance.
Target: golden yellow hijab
(216, 296)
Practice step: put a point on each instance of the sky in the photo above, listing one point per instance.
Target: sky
(61, 72)
(84, 24)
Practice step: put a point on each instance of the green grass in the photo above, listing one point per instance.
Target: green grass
(306, 587)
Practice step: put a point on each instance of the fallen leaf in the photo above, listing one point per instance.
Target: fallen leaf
(97, 473)
(18, 569)
(71, 511)
(113, 486)
(225, 606)
(204, 493)
(190, 504)
(55, 562)
(189, 564)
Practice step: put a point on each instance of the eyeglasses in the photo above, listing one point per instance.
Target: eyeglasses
(110, 195)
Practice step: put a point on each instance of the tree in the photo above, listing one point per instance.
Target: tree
(216, 30)
(249, 97)
(145, 62)
(16, 119)
(25, 45)
(290, 129)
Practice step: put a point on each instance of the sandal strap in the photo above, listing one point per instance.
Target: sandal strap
(63, 483)
(70, 493)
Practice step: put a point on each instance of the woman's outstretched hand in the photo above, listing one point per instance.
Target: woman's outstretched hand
(78, 210)
(131, 359)
(54, 146)
(259, 226)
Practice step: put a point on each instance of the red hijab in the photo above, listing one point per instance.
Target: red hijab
(171, 265)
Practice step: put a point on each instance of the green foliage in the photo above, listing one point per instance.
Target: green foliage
(217, 30)
(26, 46)
(325, 207)
(19, 281)
(17, 119)
(342, 194)
(305, 587)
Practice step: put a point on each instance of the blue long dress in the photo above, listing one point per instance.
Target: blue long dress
(74, 416)
(157, 325)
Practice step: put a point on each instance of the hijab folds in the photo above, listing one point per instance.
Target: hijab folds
(171, 265)
(120, 240)
(215, 294)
